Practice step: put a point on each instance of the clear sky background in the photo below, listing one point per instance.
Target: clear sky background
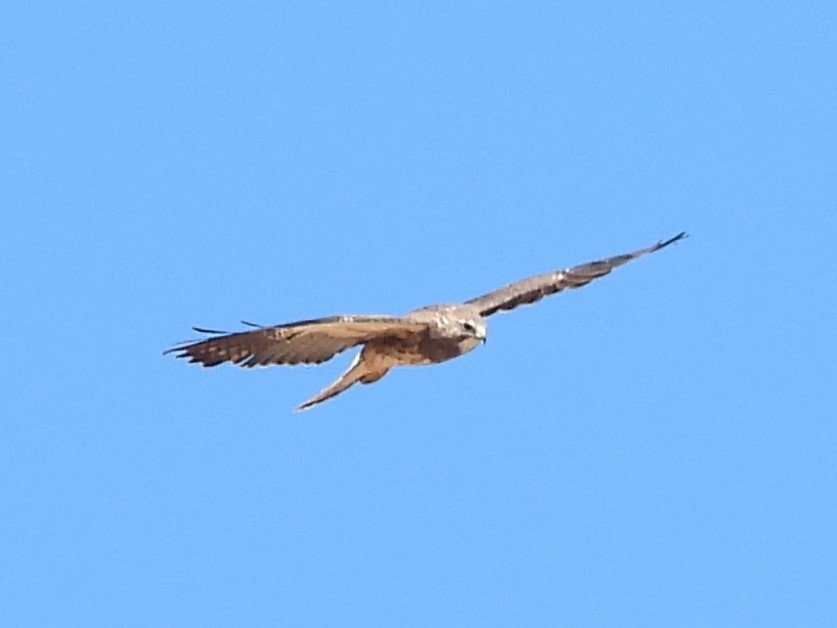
(656, 449)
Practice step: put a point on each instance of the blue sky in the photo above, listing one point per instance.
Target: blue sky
(657, 449)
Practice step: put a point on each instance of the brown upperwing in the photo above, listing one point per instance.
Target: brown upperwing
(301, 342)
(535, 288)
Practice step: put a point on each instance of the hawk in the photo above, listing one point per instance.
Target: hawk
(428, 335)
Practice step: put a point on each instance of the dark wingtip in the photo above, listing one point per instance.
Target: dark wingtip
(664, 243)
(182, 352)
(214, 332)
(179, 351)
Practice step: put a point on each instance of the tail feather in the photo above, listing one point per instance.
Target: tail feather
(358, 371)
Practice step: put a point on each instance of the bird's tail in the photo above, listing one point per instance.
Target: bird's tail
(358, 371)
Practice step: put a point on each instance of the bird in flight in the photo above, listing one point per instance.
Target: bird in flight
(428, 335)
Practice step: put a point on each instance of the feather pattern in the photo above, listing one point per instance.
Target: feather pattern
(533, 289)
(428, 335)
(302, 342)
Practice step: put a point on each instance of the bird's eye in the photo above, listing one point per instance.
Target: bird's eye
(469, 326)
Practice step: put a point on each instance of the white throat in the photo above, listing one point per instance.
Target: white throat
(466, 344)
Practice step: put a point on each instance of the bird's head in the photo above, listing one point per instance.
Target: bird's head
(473, 327)
(471, 331)
(461, 323)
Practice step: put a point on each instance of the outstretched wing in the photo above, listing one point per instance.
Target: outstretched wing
(533, 289)
(302, 342)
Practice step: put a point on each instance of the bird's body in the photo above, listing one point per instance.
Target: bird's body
(452, 330)
(428, 335)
